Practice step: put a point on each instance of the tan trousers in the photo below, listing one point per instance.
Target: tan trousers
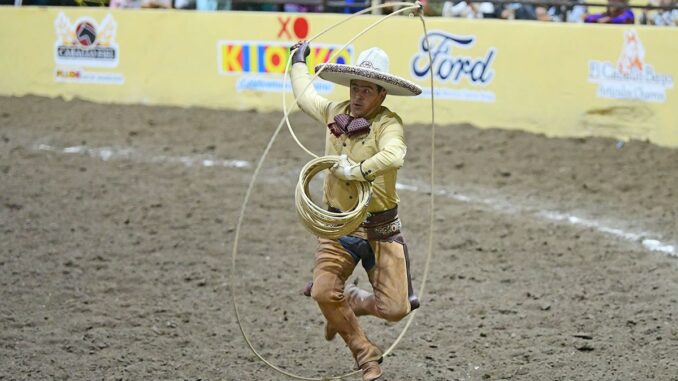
(389, 299)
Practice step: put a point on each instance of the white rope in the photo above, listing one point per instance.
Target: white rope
(429, 254)
(320, 221)
(311, 173)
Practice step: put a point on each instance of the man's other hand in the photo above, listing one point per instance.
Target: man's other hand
(346, 169)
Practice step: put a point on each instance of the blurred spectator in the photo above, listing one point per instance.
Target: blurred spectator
(356, 8)
(353, 6)
(266, 7)
(52, 3)
(156, 4)
(542, 13)
(661, 17)
(517, 11)
(300, 8)
(431, 8)
(574, 13)
(617, 12)
(467, 9)
(41, 3)
(208, 5)
(183, 4)
(133, 4)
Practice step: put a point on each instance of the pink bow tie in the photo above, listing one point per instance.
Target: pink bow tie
(348, 125)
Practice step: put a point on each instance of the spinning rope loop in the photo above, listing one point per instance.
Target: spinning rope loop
(322, 222)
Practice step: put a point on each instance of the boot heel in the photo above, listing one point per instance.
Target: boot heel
(414, 302)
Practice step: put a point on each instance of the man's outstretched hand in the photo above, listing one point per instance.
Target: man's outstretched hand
(300, 51)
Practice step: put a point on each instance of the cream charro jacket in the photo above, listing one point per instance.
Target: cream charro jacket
(381, 151)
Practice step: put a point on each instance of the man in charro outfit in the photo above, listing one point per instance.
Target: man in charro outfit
(370, 140)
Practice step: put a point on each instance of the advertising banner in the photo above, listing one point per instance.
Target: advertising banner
(552, 78)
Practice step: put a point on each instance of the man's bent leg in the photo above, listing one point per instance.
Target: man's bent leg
(389, 279)
(333, 266)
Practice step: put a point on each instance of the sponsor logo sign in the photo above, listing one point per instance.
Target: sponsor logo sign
(86, 43)
(260, 65)
(293, 25)
(630, 78)
(457, 75)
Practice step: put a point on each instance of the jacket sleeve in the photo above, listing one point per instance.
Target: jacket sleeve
(308, 99)
(391, 155)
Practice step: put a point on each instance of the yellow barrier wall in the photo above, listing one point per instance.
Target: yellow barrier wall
(553, 78)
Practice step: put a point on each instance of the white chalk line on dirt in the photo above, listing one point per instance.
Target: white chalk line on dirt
(560, 217)
(128, 153)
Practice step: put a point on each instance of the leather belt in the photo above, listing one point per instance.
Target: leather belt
(380, 225)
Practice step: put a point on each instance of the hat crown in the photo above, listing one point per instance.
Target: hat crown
(374, 59)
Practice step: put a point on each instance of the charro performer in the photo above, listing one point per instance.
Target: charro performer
(370, 140)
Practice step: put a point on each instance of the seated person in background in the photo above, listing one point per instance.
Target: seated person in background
(165, 4)
(302, 8)
(430, 8)
(543, 14)
(133, 4)
(204, 5)
(617, 12)
(264, 7)
(571, 13)
(467, 9)
(661, 17)
(518, 11)
(354, 9)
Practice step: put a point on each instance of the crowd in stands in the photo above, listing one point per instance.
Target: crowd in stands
(616, 12)
(658, 12)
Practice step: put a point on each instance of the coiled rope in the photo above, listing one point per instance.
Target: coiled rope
(317, 167)
(320, 221)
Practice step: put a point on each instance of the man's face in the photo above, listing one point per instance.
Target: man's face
(365, 98)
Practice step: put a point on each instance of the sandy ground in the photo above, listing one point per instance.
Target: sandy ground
(553, 258)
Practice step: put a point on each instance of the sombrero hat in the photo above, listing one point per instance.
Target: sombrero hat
(372, 67)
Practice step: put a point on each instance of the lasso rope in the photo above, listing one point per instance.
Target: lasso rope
(241, 216)
(320, 221)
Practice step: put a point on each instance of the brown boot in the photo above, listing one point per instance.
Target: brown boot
(371, 371)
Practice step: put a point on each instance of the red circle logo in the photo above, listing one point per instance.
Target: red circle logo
(301, 28)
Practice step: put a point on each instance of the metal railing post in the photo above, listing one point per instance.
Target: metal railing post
(376, 11)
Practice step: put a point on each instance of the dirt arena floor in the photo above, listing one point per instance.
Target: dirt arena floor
(554, 259)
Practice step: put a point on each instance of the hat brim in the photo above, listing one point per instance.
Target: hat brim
(343, 74)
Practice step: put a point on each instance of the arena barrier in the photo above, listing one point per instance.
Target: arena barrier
(551, 78)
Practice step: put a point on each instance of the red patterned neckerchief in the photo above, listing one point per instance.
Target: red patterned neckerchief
(345, 124)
